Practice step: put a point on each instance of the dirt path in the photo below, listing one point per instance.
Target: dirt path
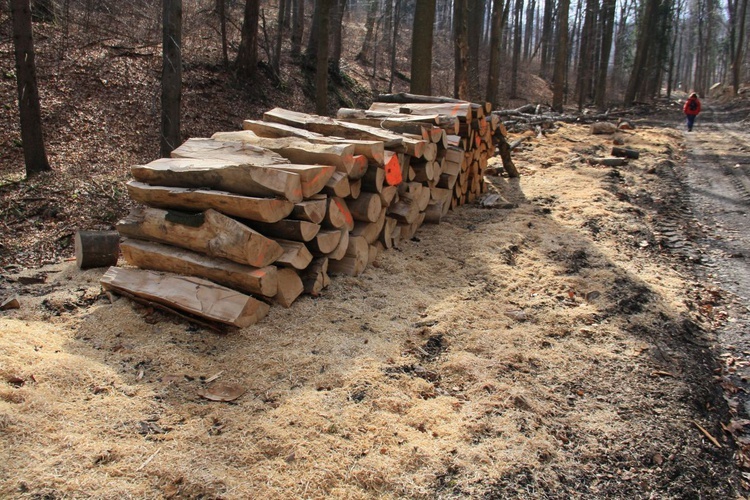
(559, 349)
(717, 174)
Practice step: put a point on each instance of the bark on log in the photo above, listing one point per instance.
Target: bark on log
(314, 278)
(96, 249)
(240, 178)
(210, 233)
(288, 229)
(625, 152)
(192, 295)
(158, 257)
(246, 207)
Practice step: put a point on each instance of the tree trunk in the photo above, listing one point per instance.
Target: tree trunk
(337, 16)
(476, 21)
(171, 77)
(645, 40)
(586, 49)
(608, 23)
(421, 48)
(298, 26)
(529, 30)
(518, 16)
(493, 75)
(221, 12)
(547, 28)
(321, 69)
(561, 57)
(365, 54)
(738, 53)
(461, 40)
(247, 56)
(276, 63)
(394, 41)
(34, 153)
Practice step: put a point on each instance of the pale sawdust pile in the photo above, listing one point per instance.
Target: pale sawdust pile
(503, 352)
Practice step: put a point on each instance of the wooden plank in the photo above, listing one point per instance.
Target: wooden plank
(278, 130)
(158, 257)
(464, 111)
(297, 150)
(192, 295)
(210, 233)
(238, 152)
(246, 207)
(235, 177)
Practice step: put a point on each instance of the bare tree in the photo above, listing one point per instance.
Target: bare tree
(421, 47)
(607, 30)
(34, 153)
(338, 8)
(493, 75)
(221, 7)
(561, 57)
(738, 41)
(368, 45)
(321, 69)
(171, 76)
(461, 44)
(247, 55)
(298, 26)
(517, 20)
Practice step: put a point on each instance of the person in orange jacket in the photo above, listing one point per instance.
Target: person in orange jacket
(691, 109)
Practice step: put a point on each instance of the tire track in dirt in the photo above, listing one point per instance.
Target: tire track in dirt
(717, 180)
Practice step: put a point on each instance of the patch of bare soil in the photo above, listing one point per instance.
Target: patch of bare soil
(559, 349)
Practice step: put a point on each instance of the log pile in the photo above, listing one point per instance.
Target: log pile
(265, 214)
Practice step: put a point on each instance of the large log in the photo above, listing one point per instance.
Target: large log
(192, 295)
(464, 111)
(288, 229)
(210, 233)
(241, 178)
(278, 130)
(158, 257)
(246, 207)
(336, 128)
(443, 122)
(297, 150)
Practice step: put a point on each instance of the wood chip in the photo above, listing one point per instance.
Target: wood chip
(223, 392)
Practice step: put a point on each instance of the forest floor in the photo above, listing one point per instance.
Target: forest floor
(586, 343)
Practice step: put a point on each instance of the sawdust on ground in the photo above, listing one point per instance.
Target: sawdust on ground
(549, 350)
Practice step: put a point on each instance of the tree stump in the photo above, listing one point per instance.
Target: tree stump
(97, 248)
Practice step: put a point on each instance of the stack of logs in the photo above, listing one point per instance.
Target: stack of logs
(271, 210)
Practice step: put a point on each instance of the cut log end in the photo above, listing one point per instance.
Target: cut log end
(97, 248)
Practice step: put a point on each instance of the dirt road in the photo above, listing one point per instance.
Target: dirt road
(717, 177)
